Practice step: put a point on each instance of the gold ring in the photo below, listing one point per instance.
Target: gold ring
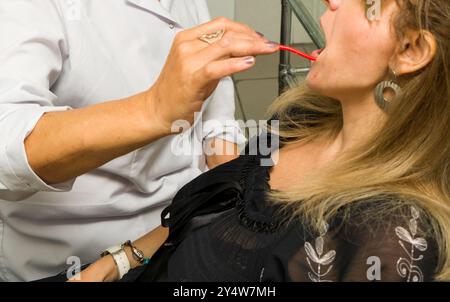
(213, 37)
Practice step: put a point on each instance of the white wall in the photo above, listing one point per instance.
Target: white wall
(224, 8)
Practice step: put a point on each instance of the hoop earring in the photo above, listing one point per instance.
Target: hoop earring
(381, 101)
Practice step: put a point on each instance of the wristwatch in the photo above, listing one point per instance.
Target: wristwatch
(138, 255)
(120, 258)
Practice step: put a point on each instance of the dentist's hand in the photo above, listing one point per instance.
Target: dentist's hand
(194, 68)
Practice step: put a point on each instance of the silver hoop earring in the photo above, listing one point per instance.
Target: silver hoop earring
(381, 101)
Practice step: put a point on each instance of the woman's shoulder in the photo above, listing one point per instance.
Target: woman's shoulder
(256, 154)
(381, 240)
(384, 215)
(226, 177)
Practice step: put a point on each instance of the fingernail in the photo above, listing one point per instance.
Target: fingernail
(272, 44)
(249, 60)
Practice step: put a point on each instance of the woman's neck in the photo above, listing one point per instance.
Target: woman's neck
(360, 116)
(298, 160)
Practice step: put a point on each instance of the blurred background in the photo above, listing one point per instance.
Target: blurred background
(258, 88)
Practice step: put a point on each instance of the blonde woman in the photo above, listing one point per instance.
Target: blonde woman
(361, 190)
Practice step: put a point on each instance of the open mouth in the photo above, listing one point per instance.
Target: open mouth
(316, 53)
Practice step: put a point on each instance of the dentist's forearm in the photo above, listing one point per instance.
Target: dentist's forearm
(67, 144)
(148, 244)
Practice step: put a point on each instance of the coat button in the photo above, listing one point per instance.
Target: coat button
(171, 25)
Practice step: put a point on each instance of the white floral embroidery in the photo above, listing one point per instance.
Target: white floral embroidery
(406, 268)
(315, 255)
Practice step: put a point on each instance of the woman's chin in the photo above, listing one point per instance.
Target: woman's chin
(318, 87)
(312, 82)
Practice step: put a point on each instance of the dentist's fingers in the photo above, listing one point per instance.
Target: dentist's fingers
(219, 69)
(197, 46)
(216, 25)
(230, 47)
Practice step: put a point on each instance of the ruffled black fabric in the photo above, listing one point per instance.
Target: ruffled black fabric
(223, 228)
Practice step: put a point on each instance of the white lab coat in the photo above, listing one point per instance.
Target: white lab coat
(61, 54)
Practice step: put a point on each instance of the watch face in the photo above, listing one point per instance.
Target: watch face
(139, 254)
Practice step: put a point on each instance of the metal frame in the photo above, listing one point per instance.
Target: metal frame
(287, 74)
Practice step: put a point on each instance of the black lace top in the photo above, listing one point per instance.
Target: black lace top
(251, 240)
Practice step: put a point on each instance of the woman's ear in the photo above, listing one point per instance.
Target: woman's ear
(415, 52)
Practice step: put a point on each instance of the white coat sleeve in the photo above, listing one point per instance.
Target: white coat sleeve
(31, 57)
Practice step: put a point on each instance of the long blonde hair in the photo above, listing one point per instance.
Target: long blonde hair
(407, 158)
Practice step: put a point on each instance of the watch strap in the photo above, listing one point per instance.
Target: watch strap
(120, 259)
(122, 262)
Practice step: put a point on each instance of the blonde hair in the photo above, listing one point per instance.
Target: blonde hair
(407, 158)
